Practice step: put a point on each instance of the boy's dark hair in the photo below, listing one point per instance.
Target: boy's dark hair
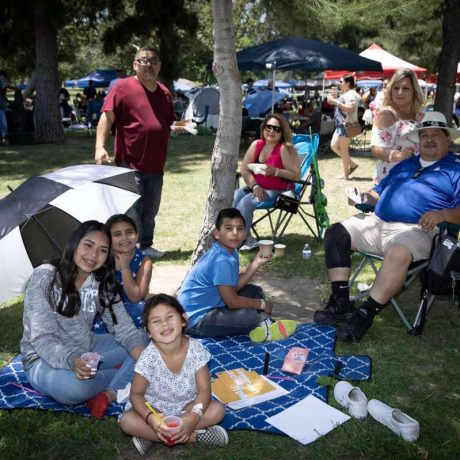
(228, 213)
(156, 300)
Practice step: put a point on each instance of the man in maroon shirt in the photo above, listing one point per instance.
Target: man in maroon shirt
(141, 110)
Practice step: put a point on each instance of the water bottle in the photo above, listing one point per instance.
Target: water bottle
(306, 253)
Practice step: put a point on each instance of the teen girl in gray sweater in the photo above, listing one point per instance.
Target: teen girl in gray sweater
(59, 309)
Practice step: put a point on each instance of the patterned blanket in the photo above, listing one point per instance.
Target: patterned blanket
(228, 353)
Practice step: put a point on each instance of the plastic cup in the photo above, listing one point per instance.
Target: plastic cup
(266, 247)
(91, 358)
(174, 424)
(280, 250)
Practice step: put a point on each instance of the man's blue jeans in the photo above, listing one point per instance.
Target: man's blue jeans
(146, 208)
(63, 384)
(225, 321)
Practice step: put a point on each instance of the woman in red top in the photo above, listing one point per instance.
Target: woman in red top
(270, 166)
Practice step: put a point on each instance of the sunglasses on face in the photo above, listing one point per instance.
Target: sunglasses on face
(277, 129)
(145, 60)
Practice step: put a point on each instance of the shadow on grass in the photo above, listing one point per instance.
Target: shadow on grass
(176, 255)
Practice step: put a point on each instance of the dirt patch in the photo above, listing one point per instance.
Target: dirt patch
(295, 298)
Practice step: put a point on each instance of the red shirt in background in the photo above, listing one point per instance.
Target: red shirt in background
(142, 122)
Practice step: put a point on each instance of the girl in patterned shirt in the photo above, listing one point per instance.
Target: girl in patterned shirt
(133, 268)
(172, 376)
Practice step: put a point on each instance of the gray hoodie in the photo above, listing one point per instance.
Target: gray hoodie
(58, 339)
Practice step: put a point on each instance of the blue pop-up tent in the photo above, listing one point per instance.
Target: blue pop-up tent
(100, 77)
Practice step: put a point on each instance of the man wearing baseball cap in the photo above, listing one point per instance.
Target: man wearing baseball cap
(418, 194)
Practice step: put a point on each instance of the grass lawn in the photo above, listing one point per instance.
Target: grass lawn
(419, 375)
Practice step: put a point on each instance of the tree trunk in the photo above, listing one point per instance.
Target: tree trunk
(225, 153)
(448, 59)
(48, 125)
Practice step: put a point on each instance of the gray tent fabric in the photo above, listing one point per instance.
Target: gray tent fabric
(296, 53)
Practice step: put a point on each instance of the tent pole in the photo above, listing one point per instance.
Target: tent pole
(273, 89)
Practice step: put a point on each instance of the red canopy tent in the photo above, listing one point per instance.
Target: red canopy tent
(390, 64)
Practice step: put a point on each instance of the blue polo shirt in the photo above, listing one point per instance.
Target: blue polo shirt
(408, 191)
(200, 291)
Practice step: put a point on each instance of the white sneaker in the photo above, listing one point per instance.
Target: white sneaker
(250, 244)
(395, 420)
(352, 398)
(153, 253)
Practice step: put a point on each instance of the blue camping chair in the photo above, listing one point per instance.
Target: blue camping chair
(281, 210)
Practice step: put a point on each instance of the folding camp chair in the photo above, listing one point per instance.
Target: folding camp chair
(360, 141)
(415, 269)
(280, 211)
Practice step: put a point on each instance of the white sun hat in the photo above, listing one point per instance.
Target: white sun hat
(433, 120)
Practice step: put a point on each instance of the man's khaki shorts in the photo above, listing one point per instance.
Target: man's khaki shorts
(371, 234)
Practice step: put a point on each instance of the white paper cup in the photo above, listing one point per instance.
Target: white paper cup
(280, 250)
(266, 247)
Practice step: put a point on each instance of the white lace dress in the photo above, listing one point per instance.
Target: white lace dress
(395, 138)
(167, 391)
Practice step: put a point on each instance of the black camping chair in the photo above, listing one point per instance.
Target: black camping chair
(415, 269)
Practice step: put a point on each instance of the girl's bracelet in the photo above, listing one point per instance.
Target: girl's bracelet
(125, 268)
(147, 417)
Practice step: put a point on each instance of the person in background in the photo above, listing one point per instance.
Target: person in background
(346, 110)
(280, 168)
(378, 101)
(4, 85)
(60, 305)
(141, 110)
(402, 107)
(90, 91)
(250, 87)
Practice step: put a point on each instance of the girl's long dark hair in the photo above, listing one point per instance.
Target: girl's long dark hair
(69, 302)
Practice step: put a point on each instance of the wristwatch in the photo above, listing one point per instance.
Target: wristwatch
(198, 409)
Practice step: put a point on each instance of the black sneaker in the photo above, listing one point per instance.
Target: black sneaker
(333, 312)
(355, 326)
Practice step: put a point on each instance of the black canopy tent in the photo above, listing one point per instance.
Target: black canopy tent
(296, 53)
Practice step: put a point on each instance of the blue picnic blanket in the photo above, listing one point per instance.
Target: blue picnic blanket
(228, 353)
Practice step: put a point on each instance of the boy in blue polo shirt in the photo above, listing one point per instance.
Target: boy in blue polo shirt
(218, 299)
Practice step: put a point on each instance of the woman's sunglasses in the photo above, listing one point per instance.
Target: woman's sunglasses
(277, 129)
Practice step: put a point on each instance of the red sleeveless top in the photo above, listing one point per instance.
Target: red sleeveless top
(275, 160)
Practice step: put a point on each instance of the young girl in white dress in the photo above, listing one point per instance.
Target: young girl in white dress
(172, 376)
